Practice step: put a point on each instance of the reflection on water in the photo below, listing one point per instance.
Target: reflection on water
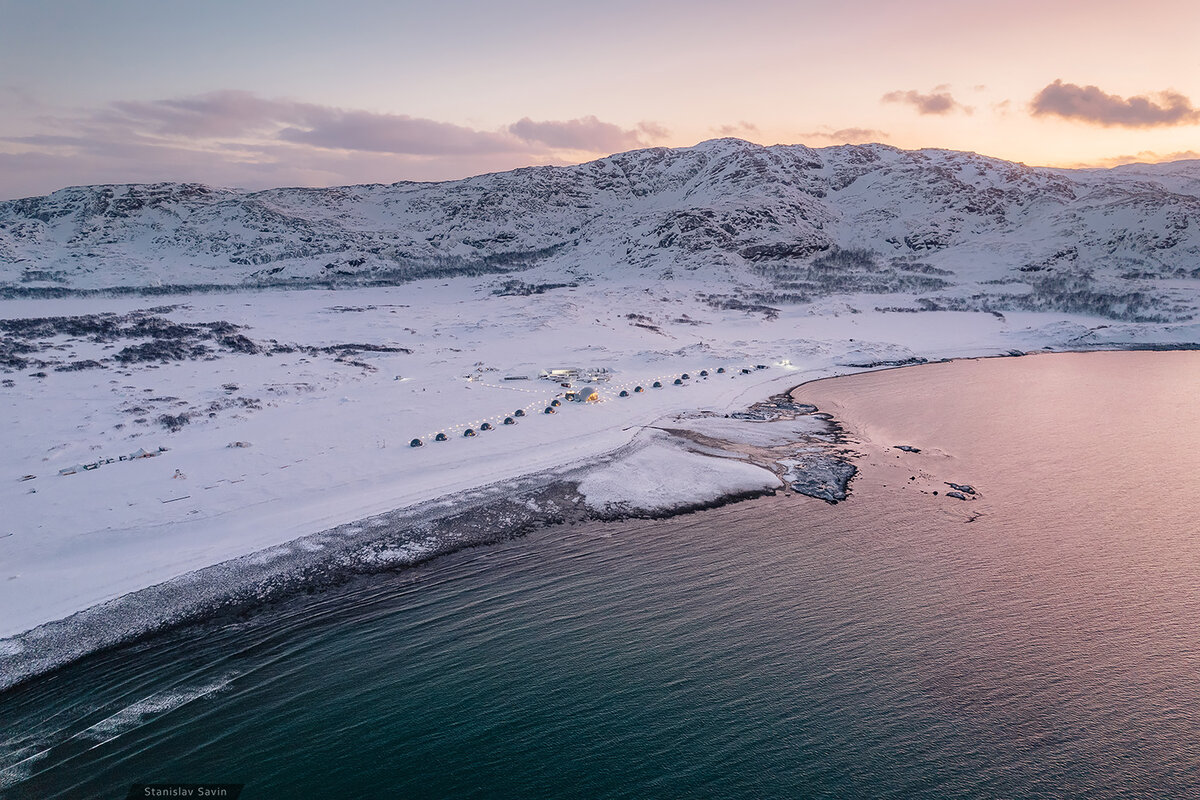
(1039, 639)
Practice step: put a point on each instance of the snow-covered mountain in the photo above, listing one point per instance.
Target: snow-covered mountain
(773, 224)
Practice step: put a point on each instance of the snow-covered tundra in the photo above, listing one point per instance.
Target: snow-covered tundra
(278, 351)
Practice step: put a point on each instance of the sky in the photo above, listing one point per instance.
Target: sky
(268, 93)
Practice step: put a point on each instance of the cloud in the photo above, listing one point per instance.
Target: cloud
(1143, 157)
(1090, 104)
(740, 129)
(396, 133)
(238, 138)
(654, 131)
(847, 135)
(586, 133)
(938, 101)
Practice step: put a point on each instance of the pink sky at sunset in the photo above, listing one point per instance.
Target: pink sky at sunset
(318, 94)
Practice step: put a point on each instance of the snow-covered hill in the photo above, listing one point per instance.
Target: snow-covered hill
(772, 224)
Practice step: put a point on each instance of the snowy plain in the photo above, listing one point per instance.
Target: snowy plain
(328, 435)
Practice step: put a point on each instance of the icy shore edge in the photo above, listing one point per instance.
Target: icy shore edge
(391, 541)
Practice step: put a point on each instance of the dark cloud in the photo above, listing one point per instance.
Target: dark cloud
(846, 135)
(1090, 104)
(586, 133)
(396, 133)
(226, 113)
(937, 101)
(234, 114)
(239, 139)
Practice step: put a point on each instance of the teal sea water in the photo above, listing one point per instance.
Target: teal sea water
(883, 647)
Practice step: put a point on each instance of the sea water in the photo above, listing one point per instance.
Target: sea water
(1040, 638)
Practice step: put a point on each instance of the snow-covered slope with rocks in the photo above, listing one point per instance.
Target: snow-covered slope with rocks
(961, 230)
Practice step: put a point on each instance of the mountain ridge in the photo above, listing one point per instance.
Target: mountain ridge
(757, 218)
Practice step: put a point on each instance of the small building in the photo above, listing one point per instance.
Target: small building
(656, 385)
(560, 374)
(587, 395)
(441, 437)
(638, 390)
(519, 412)
(623, 393)
(487, 426)
(509, 421)
(679, 381)
(469, 432)
(596, 374)
(549, 410)
(415, 443)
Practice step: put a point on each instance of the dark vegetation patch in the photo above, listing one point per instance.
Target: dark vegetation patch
(161, 350)
(161, 340)
(173, 422)
(725, 302)
(1076, 293)
(845, 271)
(76, 366)
(518, 288)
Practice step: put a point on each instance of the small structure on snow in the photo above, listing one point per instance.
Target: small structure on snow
(416, 443)
(509, 421)
(441, 437)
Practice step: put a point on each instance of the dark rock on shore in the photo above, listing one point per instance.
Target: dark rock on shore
(907, 448)
(824, 476)
(962, 487)
(900, 362)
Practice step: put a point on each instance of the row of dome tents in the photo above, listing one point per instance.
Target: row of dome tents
(587, 394)
(469, 432)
